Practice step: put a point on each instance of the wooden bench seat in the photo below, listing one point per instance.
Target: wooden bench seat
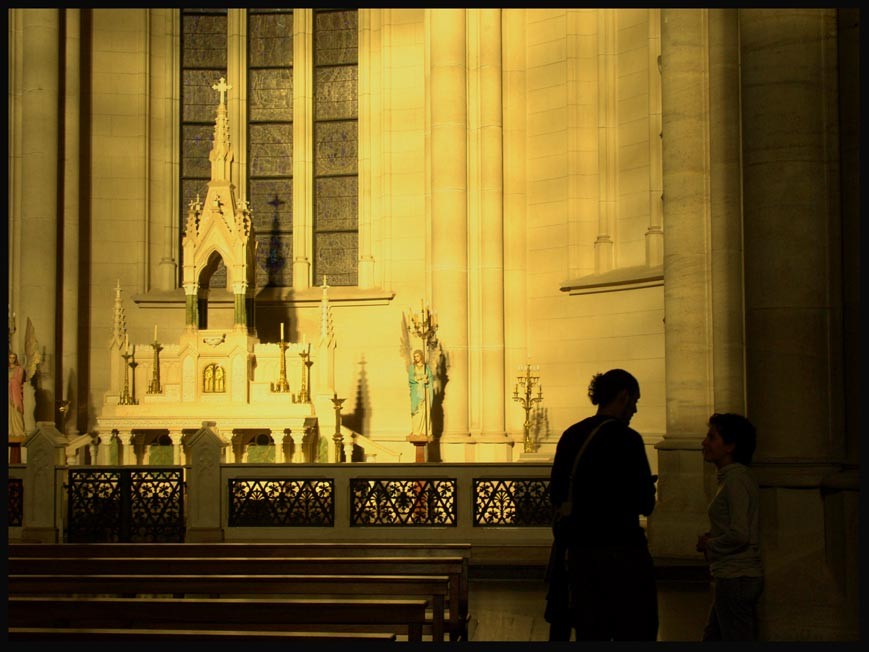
(404, 617)
(188, 635)
(434, 588)
(453, 567)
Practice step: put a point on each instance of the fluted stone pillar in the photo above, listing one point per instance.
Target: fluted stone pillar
(449, 211)
(40, 121)
(702, 259)
(491, 390)
(71, 247)
(162, 171)
(303, 138)
(793, 310)
(514, 198)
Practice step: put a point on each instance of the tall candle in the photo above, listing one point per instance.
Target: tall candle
(282, 331)
(155, 332)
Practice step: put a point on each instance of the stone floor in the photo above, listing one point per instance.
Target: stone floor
(512, 609)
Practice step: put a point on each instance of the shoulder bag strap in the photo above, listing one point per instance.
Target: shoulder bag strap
(567, 506)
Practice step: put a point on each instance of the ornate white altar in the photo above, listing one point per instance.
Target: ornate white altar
(221, 375)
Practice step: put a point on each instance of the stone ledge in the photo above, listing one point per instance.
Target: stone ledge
(626, 278)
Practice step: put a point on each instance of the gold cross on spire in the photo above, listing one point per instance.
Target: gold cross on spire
(221, 87)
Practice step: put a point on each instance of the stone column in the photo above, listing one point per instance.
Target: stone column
(702, 282)
(69, 346)
(491, 280)
(176, 434)
(126, 453)
(607, 140)
(303, 144)
(514, 198)
(163, 199)
(449, 211)
(40, 120)
(793, 309)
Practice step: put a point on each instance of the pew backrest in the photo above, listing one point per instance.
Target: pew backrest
(434, 588)
(453, 567)
(189, 635)
(407, 616)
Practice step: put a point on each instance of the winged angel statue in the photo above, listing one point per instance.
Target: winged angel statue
(18, 375)
(425, 385)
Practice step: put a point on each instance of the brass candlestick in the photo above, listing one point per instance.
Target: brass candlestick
(527, 401)
(304, 393)
(282, 384)
(154, 387)
(128, 398)
(338, 438)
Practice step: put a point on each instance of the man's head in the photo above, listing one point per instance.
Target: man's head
(616, 393)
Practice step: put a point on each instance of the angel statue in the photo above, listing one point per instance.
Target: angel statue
(420, 380)
(17, 376)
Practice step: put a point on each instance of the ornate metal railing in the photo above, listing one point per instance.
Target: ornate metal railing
(382, 501)
(125, 504)
(282, 503)
(486, 504)
(16, 502)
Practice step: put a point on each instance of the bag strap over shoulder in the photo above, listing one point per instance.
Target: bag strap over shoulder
(566, 507)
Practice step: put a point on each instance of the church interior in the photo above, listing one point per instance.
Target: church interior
(401, 241)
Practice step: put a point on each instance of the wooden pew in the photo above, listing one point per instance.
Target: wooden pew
(435, 588)
(289, 614)
(453, 567)
(265, 549)
(188, 635)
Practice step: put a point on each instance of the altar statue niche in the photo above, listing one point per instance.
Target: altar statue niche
(215, 301)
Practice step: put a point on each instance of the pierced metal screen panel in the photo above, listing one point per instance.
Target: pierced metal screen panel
(282, 503)
(382, 502)
(157, 505)
(125, 505)
(16, 502)
(512, 502)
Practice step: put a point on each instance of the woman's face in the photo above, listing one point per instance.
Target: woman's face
(715, 449)
(417, 357)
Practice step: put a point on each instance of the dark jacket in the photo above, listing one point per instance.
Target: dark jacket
(613, 484)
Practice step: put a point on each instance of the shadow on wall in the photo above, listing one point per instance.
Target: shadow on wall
(439, 370)
(360, 419)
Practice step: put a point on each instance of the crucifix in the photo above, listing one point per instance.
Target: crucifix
(221, 87)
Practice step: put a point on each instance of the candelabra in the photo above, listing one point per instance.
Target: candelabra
(154, 387)
(128, 398)
(304, 394)
(338, 438)
(282, 385)
(527, 401)
(424, 325)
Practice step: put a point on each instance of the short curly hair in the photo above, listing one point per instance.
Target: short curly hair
(736, 429)
(604, 387)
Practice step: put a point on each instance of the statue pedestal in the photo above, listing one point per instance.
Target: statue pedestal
(419, 443)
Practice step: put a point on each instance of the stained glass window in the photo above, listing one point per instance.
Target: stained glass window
(270, 142)
(336, 146)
